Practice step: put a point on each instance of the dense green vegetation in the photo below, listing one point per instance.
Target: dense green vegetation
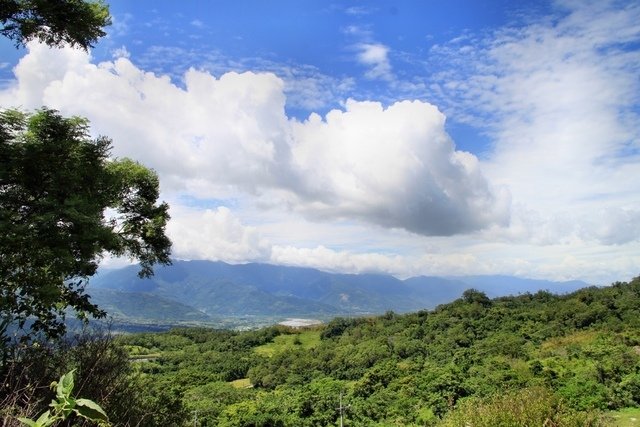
(508, 361)
(56, 182)
(534, 359)
(103, 373)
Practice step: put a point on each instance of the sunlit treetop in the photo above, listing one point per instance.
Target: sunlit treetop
(55, 22)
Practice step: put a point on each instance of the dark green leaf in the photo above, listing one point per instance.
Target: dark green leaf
(91, 410)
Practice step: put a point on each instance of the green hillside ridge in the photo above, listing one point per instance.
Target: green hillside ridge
(144, 306)
(572, 359)
(221, 290)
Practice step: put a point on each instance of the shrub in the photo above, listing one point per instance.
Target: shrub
(534, 406)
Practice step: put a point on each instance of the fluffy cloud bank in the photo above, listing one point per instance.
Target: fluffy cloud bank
(396, 167)
(393, 167)
(215, 234)
(559, 98)
(219, 234)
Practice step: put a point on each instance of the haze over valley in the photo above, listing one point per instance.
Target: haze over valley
(221, 294)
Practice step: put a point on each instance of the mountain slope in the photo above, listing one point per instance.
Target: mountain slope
(219, 289)
(144, 306)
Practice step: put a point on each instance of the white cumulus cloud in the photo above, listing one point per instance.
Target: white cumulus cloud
(215, 234)
(394, 167)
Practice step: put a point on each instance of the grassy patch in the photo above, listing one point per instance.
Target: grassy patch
(629, 417)
(559, 345)
(533, 406)
(304, 340)
(241, 383)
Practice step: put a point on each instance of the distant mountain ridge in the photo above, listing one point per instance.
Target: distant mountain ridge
(202, 290)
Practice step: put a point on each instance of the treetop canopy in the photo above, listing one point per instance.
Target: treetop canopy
(56, 183)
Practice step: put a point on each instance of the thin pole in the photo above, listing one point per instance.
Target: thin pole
(340, 409)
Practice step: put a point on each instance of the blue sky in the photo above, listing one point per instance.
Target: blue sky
(310, 38)
(415, 137)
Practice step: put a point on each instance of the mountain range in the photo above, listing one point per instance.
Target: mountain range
(206, 291)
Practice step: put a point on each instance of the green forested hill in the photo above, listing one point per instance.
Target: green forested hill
(144, 307)
(218, 289)
(536, 358)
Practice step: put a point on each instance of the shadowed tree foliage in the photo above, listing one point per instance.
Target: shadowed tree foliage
(54, 22)
(56, 184)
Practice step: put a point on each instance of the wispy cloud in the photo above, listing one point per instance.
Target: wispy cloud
(359, 31)
(307, 88)
(120, 52)
(559, 99)
(376, 57)
(358, 10)
(120, 25)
